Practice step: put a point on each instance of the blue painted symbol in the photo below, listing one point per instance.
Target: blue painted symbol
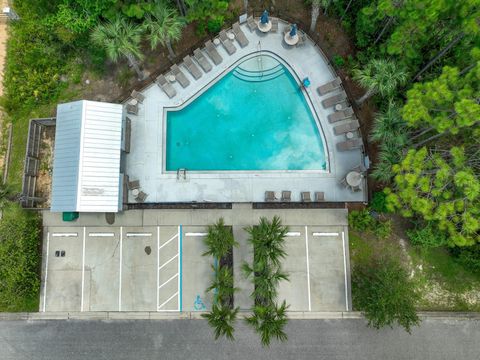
(198, 304)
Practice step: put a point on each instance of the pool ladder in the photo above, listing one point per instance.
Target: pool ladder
(182, 174)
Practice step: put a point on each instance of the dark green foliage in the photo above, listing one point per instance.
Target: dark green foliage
(378, 202)
(269, 321)
(19, 259)
(338, 61)
(222, 319)
(427, 235)
(382, 290)
(219, 240)
(468, 256)
(268, 240)
(364, 221)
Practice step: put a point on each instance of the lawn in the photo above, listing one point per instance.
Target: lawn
(443, 283)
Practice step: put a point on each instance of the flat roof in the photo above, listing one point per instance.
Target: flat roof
(86, 166)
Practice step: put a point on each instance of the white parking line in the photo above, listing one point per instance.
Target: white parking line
(120, 272)
(168, 262)
(324, 234)
(345, 270)
(101, 234)
(173, 238)
(133, 234)
(165, 302)
(64, 234)
(166, 282)
(189, 234)
(83, 268)
(308, 270)
(292, 233)
(46, 275)
(158, 262)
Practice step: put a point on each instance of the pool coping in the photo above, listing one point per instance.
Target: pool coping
(209, 85)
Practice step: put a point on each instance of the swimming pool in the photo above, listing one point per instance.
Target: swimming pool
(255, 118)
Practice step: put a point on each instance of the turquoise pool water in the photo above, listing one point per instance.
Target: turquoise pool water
(254, 118)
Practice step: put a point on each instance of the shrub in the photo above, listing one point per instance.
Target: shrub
(222, 319)
(338, 61)
(215, 25)
(468, 256)
(379, 202)
(382, 290)
(427, 235)
(19, 258)
(219, 240)
(360, 220)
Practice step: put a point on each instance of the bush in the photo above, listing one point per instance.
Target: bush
(468, 256)
(19, 259)
(364, 221)
(427, 235)
(338, 61)
(379, 202)
(382, 290)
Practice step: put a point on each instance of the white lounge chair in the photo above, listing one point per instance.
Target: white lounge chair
(213, 53)
(227, 43)
(202, 60)
(192, 68)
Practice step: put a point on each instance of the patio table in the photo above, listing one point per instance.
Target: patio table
(265, 27)
(291, 40)
(354, 178)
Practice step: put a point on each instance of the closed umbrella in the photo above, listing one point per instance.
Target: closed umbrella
(264, 17)
(293, 30)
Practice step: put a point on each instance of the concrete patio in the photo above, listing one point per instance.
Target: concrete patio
(145, 162)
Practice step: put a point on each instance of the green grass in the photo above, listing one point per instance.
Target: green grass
(439, 269)
(22, 305)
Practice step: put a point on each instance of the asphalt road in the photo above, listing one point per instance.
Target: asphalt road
(192, 339)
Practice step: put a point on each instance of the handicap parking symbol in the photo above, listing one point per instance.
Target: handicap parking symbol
(198, 304)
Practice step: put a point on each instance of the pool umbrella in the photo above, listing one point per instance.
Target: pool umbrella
(293, 31)
(264, 18)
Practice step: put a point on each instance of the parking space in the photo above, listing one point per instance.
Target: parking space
(317, 268)
(161, 268)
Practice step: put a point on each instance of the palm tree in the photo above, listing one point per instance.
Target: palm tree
(315, 12)
(222, 285)
(379, 76)
(389, 125)
(219, 240)
(268, 240)
(163, 25)
(120, 38)
(269, 321)
(222, 319)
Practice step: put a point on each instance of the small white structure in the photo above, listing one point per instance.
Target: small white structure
(86, 166)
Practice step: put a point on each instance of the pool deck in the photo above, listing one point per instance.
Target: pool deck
(145, 161)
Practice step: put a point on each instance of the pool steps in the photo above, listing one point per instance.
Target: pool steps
(259, 75)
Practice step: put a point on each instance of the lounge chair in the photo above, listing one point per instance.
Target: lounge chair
(202, 60)
(141, 197)
(356, 188)
(343, 182)
(134, 184)
(270, 196)
(302, 39)
(252, 25)
(132, 109)
(274, 22)
(340, 115)
(179, 76)
(319, 196)
(239, 35)
(212, 52)
(334, 100)
(360, 168)
(352, 144)
(166, 86)
(138, 96)
(287, 29)
(286, 196)
(347, 127)
(330, 86)
(192, 68)
(305, 195)
(227, 43)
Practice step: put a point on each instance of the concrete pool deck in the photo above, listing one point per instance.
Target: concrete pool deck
(145, 161)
